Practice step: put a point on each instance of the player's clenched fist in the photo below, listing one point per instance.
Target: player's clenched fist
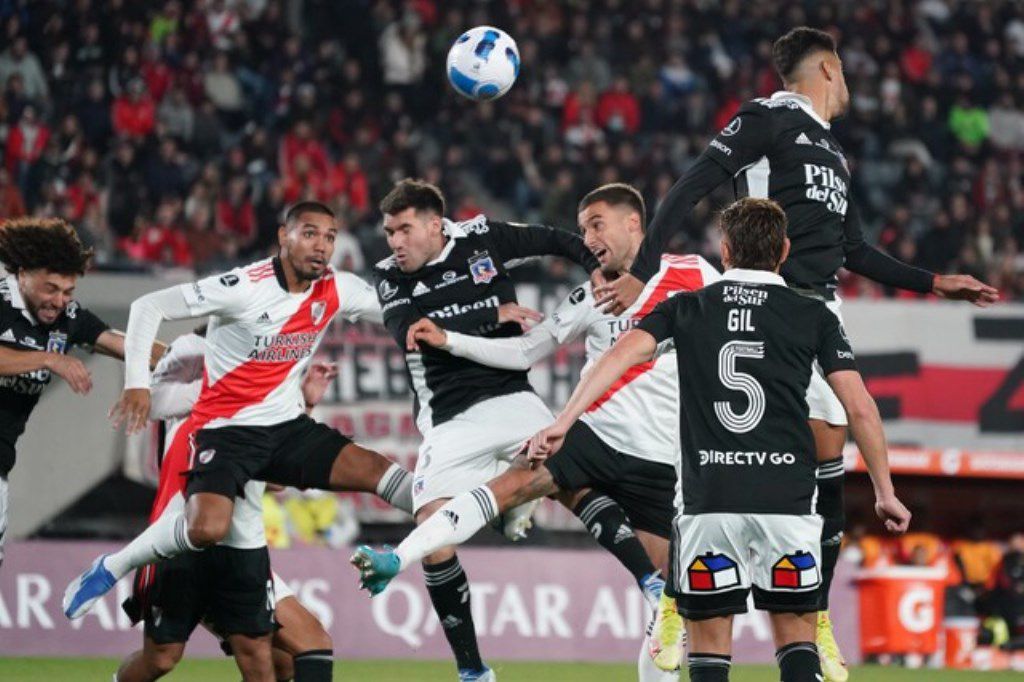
(132, 410)
(892, 512)
(71, 370)
(428, 332)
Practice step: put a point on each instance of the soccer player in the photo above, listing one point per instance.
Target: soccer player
(39, 323)
(266, 322)
(744, 350)
(624, 445)
(174, 596)
(782, 147)
(474, 419)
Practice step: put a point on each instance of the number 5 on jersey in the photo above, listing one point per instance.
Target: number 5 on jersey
(736, 380)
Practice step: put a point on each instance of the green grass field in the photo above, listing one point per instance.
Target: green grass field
(100, 670)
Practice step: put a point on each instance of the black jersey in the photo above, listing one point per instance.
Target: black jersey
(18, 329)
(779, 148)
(461, 291)
(745, 347)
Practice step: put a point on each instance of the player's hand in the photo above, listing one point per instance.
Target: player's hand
(132, 410)
(546, 443)
(318, 378)
(521, 315)
(428, 332)
(965, 288)
(614, 297)
(71, 370)
(894, 515)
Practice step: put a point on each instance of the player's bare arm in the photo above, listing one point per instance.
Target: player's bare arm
(70, 369)
(633, 348)
(866, 426)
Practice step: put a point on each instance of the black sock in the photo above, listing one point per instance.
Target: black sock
(449, 592)
(799, 662)
(606, 521)
(831, 477)
(315, 665)
(709, 667)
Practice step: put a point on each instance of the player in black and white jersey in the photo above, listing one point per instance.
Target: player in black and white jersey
(39, 324)
(783, 147)
(474, 418)
(623, 449)
(745, 347)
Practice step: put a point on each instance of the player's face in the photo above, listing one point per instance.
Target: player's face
(414, 237)
(308, 244)
(612, 233)
(46, 293)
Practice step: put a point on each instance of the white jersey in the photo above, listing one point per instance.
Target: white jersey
(177, 382)
(639, 414)
(261, 339)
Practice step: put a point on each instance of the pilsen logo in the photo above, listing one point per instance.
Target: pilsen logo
(318, 310)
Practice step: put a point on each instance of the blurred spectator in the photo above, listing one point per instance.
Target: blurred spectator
(18, 59)
(25, 144)
(11, 203)
(236, 218)
(134, 112)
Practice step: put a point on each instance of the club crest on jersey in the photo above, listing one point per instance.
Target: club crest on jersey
(387, 290)
(795, 572)
(57, 342)
(481, 266)
(318, 310)
(713, 572)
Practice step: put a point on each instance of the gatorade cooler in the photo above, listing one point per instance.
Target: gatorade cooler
(901, 609)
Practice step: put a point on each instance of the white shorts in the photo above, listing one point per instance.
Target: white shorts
(3, 516)
(281, 589)
(476, 445)
(718, 558)
(822, 402)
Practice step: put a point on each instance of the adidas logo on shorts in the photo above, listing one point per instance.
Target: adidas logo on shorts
(451, 622)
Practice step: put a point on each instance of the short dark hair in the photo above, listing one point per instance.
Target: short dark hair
(42, 244)
(789, 50)
(755, 230)
(293, 212)
(617, 194)
(416, 194)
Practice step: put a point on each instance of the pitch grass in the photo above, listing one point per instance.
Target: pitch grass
(101, 670)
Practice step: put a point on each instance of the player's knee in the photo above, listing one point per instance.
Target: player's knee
(318, 640)
(163, 660)
(206, 532)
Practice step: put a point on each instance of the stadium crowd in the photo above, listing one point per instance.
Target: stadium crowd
(173, 133)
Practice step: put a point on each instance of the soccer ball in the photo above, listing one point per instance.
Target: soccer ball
(483, 63)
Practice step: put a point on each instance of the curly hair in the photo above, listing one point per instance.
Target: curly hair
(42, 243)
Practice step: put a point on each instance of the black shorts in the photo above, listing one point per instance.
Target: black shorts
(231, 590)
(298, 453)
(645, 490)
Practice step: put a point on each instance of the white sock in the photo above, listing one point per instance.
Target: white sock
(452, 524)
(646, 670)
(167, 537)
(395, 488)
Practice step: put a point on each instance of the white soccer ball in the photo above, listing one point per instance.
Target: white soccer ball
(483, 63)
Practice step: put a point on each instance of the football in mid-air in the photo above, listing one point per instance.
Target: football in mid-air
(483, 63)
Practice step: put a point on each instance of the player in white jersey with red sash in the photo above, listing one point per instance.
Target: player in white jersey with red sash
(173, 596)
(627, 443)
(265, 323)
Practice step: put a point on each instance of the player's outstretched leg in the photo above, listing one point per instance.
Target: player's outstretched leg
(457, 521)
(358, 469)
(204, 524)
(300, 635)
(829, 440)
